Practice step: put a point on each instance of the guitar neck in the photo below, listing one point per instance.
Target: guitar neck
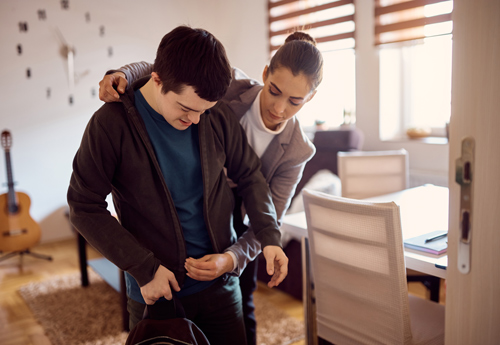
(11, 195)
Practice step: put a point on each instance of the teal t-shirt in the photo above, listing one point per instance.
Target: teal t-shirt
(178, 154)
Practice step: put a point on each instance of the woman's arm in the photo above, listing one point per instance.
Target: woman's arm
(121, 78)
(282, 186)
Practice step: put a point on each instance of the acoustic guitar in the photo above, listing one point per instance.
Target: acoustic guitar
(18, 231)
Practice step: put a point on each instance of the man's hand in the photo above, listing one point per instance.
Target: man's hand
(276, 264)
(209, 267)
(160, 286)
(107, 93)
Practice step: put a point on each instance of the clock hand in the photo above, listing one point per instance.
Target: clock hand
(71, 69)
(61, 37)
(79, 76)
(68, 52)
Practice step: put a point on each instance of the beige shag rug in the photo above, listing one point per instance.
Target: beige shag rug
(72, 315)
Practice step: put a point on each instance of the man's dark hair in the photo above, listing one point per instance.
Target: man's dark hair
(193, 57)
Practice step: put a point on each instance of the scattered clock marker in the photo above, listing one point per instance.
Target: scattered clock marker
(42, 15)
(23, 26)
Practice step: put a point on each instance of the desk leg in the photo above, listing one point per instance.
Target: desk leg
(434, 289)
(123, 297)
(82, 255)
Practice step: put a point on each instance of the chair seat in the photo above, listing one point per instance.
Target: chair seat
(427, 321)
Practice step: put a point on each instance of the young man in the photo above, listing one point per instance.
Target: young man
(162, 155)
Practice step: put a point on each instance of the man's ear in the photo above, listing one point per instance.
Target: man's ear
(156, 79)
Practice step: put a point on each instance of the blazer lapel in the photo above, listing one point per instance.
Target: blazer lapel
(272, 156)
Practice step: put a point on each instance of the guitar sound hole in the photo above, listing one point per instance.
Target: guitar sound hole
(13, 209)
(15, 232)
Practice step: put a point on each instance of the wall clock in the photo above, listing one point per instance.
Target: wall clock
(65, 31)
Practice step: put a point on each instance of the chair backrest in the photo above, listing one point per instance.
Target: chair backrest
(364, 174)
(358, 270)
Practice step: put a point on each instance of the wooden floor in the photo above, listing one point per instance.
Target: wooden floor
(17, 324)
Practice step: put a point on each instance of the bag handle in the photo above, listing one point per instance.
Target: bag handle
(165, 309)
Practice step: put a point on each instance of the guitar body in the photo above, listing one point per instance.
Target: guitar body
(18, 231)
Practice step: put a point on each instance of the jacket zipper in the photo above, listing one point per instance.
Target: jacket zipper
(178, 228)
(201, 137)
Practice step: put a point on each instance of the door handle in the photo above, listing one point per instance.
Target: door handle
(464, 176)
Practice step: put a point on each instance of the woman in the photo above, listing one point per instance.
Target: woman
(267, 113)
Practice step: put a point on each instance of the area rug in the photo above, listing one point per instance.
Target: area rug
(74, 315)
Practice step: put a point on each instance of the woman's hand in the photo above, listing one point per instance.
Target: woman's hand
(107, 92)
(276, 264)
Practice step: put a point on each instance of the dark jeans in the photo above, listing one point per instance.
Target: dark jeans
(217, 311)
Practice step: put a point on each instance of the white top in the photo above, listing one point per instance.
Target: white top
(259, 136)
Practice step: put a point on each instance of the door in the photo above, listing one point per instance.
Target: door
(473, 299)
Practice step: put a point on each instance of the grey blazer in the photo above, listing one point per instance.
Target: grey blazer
(282, 163)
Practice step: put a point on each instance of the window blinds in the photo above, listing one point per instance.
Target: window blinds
(331, 23)
(405, 20)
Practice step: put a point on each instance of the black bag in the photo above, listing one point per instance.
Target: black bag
(166, 323)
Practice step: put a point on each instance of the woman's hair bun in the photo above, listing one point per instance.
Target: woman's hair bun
(300, 36)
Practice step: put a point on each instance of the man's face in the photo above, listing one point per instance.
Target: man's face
(180, 110)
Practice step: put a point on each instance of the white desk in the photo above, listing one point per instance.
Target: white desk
(423, 209)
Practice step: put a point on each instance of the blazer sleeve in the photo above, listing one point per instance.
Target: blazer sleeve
(282, 185)
(246, 249)
(285, 181)
(243, 167)
(134, 71)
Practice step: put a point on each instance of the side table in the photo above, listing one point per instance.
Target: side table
(109, 272)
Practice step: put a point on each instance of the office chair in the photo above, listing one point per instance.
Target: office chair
(357, 292)
(364, 174)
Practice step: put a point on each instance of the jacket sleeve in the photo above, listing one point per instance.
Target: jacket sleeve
(93, 169)
(282, 186)
(134, 71)
(243, 167)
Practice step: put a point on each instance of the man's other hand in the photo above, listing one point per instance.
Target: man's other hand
(107, 93)
(209, 267)
(160, 286)
(276, 264)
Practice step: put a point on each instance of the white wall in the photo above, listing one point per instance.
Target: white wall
(47, 131)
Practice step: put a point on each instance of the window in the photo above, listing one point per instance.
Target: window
(415, 65)
(335, 101)
(331, 23)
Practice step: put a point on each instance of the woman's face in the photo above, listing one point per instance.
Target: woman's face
(283, 96)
